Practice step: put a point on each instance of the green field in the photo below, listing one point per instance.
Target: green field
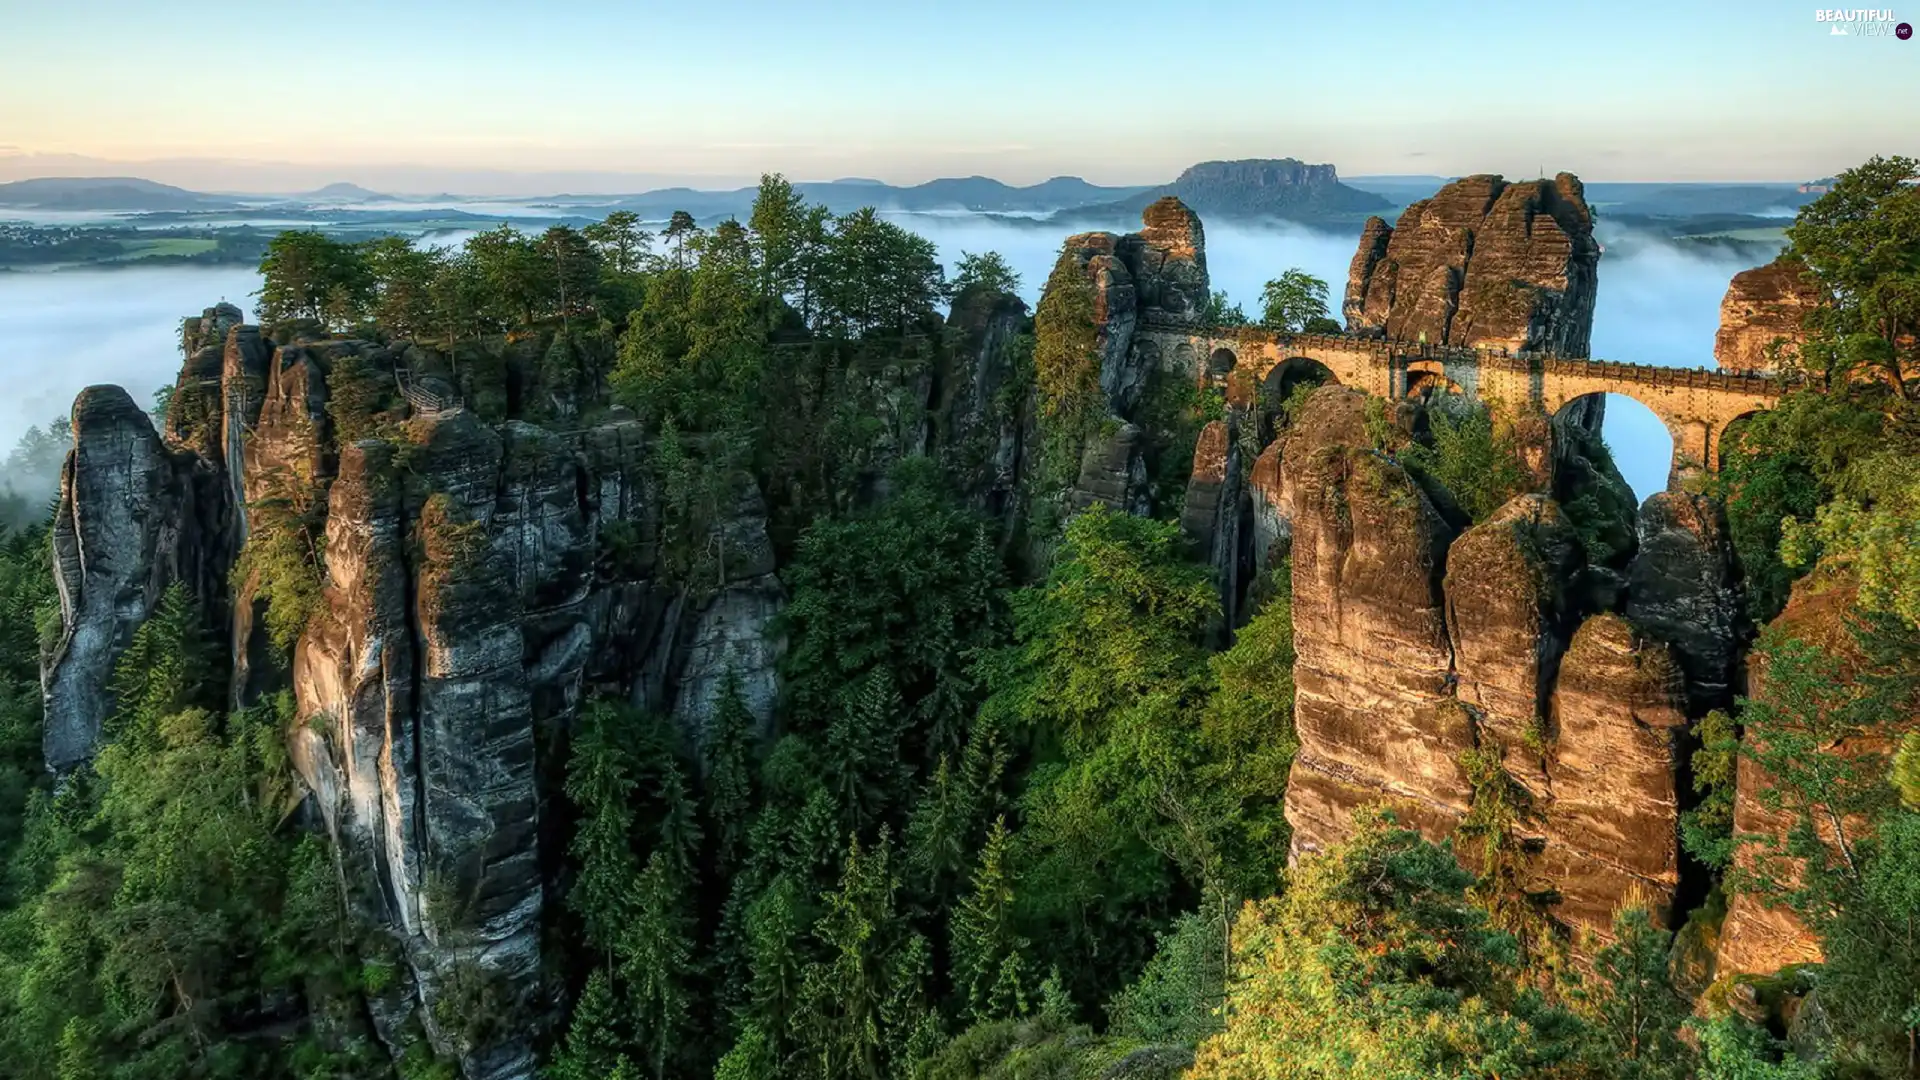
(172, 245)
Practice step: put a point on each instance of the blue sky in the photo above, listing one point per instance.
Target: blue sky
(1122, 91)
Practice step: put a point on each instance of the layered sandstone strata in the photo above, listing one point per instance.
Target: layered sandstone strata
(1481, 262)
(1761, 316)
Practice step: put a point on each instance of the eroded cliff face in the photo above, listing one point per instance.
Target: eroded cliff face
(1158, 274)
(1482, 262)
(1372, 706)
(1683, 588)
(484, 576)
(1611, 819)
(131, 521)
(1758, 936)
(1760, 317)
(1416, 646)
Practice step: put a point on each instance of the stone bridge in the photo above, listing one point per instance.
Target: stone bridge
(1696, 405)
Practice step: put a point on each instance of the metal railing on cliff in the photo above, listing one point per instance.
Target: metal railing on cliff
(424, 402)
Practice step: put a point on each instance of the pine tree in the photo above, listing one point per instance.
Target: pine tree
(862, 762)
(988, 969)
(600, 782)
(657, 963)
(728, 794)
(595, 1042)
(840, 1027)
(1634, 1010)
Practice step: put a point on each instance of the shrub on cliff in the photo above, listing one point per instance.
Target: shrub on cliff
(1374, 963)
(1469, 456)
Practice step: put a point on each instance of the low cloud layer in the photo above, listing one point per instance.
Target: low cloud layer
(60, 332)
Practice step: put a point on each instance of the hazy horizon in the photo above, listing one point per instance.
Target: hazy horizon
(1658, 303)
(716, 93)
(417, 180)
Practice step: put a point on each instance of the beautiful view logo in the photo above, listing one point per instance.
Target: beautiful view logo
(1862, 22)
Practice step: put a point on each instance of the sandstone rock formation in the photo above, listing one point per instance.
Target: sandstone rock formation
(122, 533)
(1159, 273)
(981, 431)
(1415, 647)
(482, 578)
(1758, 936)
(1507, 614)
(1113, 471)
(1372, 706)
(1682, 588)
(1216, 512)
(1482, 262)
(1611, 823)
(1761, 315)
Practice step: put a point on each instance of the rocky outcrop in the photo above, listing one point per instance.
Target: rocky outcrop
(1373, 708)
(1113, 471)
(1507, 615)
(464, 597)
(1159, 273)
(1482, 262)
(1760, 317)
(724, 640)
(1415, 647)
(1271, 527)
(1168, 260)
(121, 536)
(1611, 823)
(1760, 936)
(1682, 588)
(1216, 512)
(483, 578)
(981, 427)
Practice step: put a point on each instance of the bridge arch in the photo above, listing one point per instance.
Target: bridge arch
(1644, 446)
(1285, 378)
(1728, 437)
(1426, 377)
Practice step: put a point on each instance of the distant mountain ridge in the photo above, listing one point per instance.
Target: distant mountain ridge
(103, 193)
(979, 194)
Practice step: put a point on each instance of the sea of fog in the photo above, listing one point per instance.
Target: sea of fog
(64, 330)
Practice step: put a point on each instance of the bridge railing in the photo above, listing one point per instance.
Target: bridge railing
(1760, 383)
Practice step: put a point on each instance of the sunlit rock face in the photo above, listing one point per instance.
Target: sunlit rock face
(1611, 818)
(1482, 262)
(1373, 706)
(1760, 937)
(1760, 318)
(1507, 601)
(1158, 274)
(1416, 646)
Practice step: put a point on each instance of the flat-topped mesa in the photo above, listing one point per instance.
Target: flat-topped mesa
(1482, 262)
(1761, 316)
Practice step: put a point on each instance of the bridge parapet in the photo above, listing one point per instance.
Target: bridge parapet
(1695, 404)
(1755, 382)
